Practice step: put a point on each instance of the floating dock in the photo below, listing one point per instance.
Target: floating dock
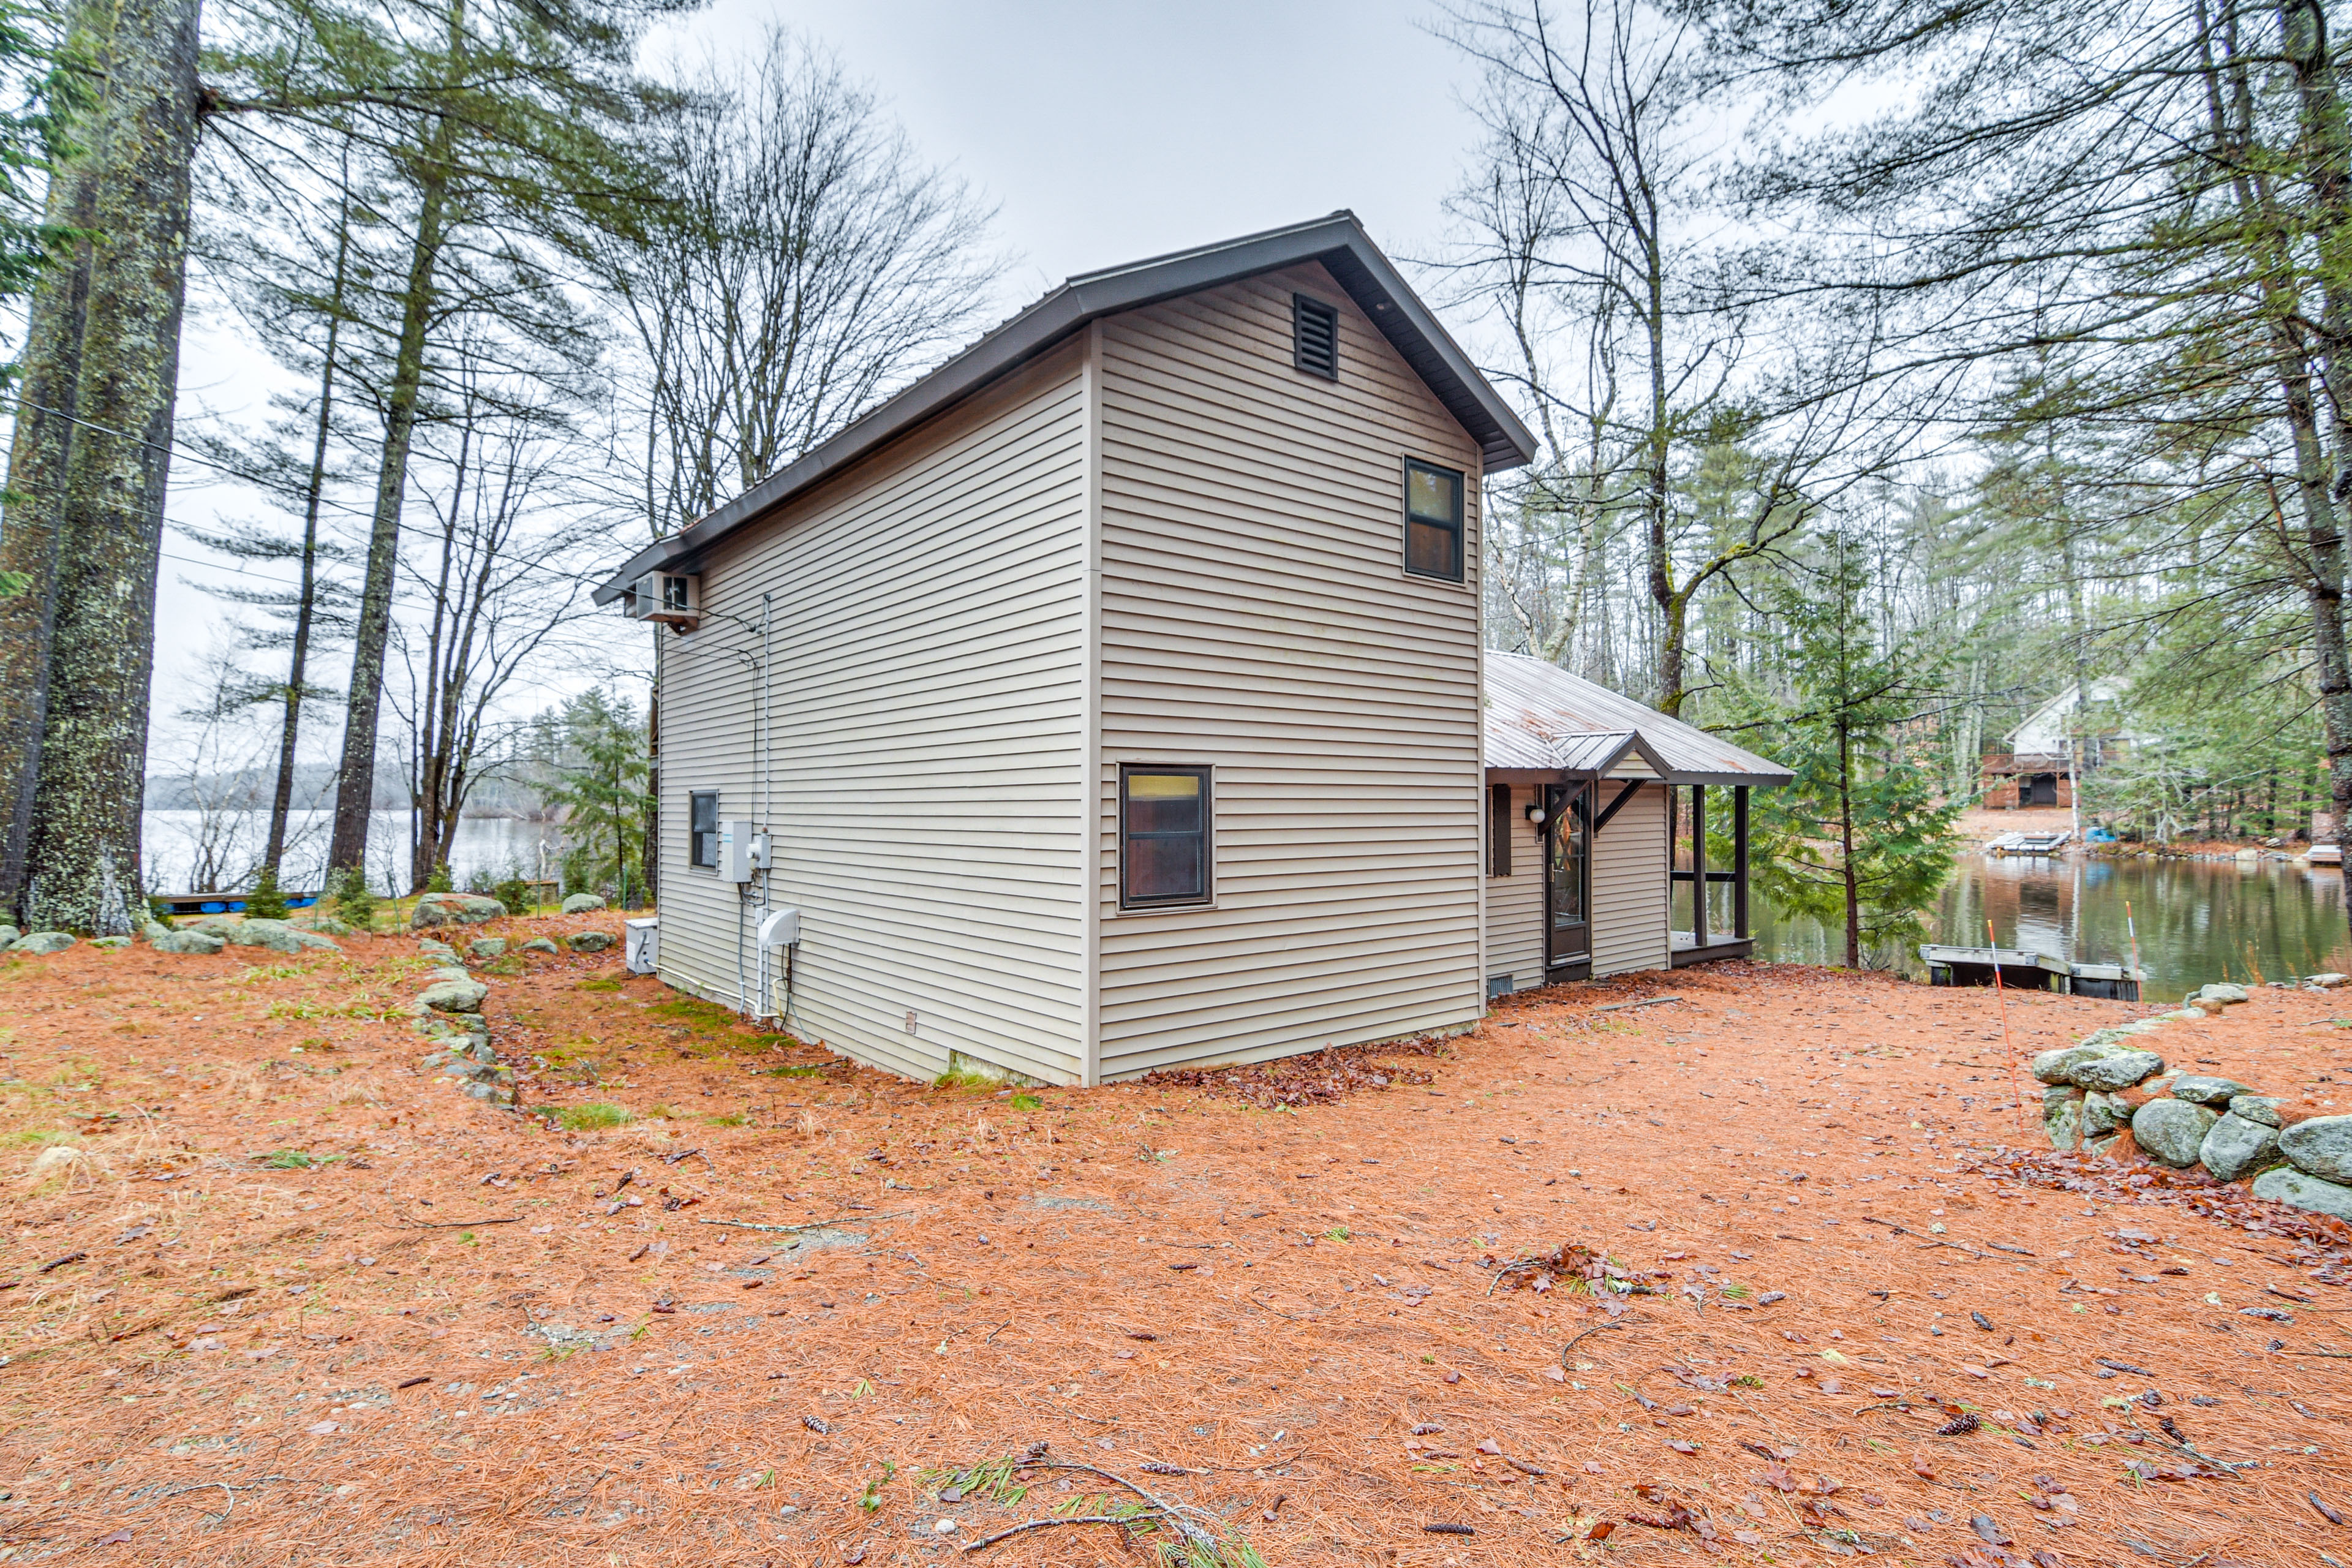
(2029, 844)
(2022, 970)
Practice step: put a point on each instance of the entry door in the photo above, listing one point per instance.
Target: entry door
(1568, 874)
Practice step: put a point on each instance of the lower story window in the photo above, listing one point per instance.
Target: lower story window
(702, 830)
(1163, 835)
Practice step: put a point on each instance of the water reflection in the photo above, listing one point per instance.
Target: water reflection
(2197, 921)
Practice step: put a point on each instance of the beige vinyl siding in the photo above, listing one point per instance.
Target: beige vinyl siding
(1629, 884)
(1515, 904)
(1255, 617)
(929, 665)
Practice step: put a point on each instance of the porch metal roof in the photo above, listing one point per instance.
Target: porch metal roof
(1539, 715)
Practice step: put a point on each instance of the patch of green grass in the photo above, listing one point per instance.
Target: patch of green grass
(1337, 1232)
(601, 982)
(664, 1112)
(964, 1078)
(596, 1113)
(803, 1069)
(724, 1119)
(1027, 1102)
(255, 974)
(34, 1138)
(295, 1160)
(694, 1011)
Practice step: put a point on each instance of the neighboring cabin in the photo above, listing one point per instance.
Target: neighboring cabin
(1114, 698)
(2074, 734)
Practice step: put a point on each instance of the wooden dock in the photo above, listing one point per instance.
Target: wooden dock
(2029, 844)
(2022, 970)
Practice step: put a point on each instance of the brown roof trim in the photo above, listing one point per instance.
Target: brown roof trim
(1339, 242)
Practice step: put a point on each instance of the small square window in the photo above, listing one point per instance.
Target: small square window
(1163, 835)
(1433, 522)
(702, 830)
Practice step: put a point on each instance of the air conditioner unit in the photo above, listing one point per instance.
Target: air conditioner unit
(673, 598)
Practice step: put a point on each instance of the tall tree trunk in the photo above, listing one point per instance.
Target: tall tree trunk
(82, 852)
(1671, 609)
(1845, 845)
(297, 672)
(2317, 481)
(355, 788)
(2325, 156)
(32, 526)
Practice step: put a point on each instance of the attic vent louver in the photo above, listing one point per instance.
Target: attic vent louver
(1315, 332)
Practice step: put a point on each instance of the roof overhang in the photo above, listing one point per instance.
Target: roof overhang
(1586, 757)
(1339, 242)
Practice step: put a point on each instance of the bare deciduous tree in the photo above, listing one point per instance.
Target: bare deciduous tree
(499, 585)
(1594, 209)
(804, 262)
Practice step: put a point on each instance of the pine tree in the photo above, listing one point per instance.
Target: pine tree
(266, 902)
(87, 479)
(1862, 838)
(508, 142)
(605, 789)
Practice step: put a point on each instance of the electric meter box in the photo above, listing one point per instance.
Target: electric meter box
(735, 851)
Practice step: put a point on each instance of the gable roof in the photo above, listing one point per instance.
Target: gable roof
(1339, 242)
(1539, 715)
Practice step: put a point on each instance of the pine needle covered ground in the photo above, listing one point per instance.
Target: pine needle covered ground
(1743, 1273)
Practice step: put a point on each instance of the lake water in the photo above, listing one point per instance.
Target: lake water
(2197, 921)
(492, 844)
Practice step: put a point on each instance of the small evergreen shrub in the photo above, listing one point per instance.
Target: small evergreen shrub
(355, 901)
(516, 895)
(266, 902)
(439, 882)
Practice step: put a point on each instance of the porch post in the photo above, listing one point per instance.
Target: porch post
(1698, 865)
(1739, 860)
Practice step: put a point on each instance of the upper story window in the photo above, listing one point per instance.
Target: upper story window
(1433, 522)
(1314, 337)
(1163, 835)
(702, 830)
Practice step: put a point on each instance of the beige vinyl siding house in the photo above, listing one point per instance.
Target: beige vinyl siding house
(1114, 698)
(917, 759)
(1256, 616)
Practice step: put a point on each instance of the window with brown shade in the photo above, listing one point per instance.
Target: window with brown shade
(1433, 522)
(1163, 835)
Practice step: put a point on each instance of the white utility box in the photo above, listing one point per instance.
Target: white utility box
(641, 944)
(735, 851)
(782, 927)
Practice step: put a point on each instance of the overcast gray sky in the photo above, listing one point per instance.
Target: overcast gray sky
(1106, 133)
